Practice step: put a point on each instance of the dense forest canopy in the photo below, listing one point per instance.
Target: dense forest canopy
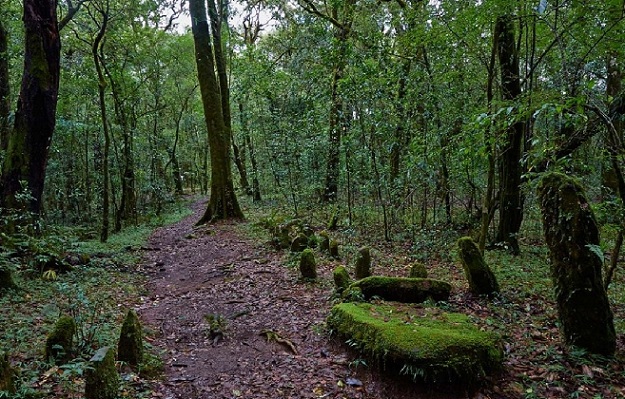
(399, 114)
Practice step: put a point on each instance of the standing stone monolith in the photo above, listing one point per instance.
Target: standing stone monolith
(308, 265)
(101, 378)
(572, 236)
(482, 281)
(363, 263)
(130, 345)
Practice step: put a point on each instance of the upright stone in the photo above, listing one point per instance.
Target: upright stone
(130, 346)
(363, 263)
(324, 241)
(101, 378)
(6, 279)
(418, 270)
(573, 238)
(60, 341)
(334, 249)
(7, 374)
(482, 281)
(308, 265)
(341, 279)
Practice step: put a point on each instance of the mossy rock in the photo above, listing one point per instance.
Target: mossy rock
(341, 278)
(406, 290)
(101, 378)
(7, 374)
(281, 236)
(426, 344)
(481, 279)
(60, 341)
(333, 249)
(130, 345)
(418, 270)
(308, 265)
(363, 263)
(6, 280)
(324, 241)
(299, 243)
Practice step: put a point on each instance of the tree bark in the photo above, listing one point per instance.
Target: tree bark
(5, 88)
(35, 119)
(510, 199)
(223, 203)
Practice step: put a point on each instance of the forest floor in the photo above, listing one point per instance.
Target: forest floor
(199, 272)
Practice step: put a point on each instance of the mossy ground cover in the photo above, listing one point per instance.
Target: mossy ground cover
(423, 342)
(536, 363)
(96, 295)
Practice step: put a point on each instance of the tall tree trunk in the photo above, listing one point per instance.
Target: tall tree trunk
(247, 142)
(29, 141)
(223, 202)
(217, 17)
(95, 52)
(510, 199)
(5, 88)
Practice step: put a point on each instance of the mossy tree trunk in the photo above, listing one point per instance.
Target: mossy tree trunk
(28, 143)
(510, 171)
(5, 87)
(573, 239)
(223, 202)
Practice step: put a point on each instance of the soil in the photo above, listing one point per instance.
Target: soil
(196, 272)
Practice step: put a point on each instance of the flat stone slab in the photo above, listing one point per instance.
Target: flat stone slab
(400, 289)
(424, 343)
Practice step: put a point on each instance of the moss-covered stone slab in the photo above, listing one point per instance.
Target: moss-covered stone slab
(482, 280)
(406, 290)
(130, 345)
(427, 344)
(101, 378)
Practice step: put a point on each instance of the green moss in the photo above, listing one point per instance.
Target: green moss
(481, 279)
(407, 290)
(334, 249)
(101, 378)
(60, 341)
(363, 263)
(130, 346)
(324, 241)
(299, 243)
(7, 374)
(418, 270)
(341, 278)
(308, 265)
(436, 347)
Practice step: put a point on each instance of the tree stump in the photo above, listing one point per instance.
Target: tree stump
(482, 281)
(363, 263)
(573, 238)
(307, 265)
(130, 346)
(101, 378)
(60, 341)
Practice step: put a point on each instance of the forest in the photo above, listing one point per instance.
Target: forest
(231, 164)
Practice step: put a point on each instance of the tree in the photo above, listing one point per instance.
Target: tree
(223, 203)
(27, 146)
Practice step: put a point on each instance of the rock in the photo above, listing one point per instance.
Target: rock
(324, 241)
(482, 281)
(407, 290)
(101, 378)
(363, 263)
(7, 375)
(427, 344)
(572, 236)
(418, 270)
(341, 278)
(334, 249)
(60, 341)
(6, 279)
(130, 345)
(299, 243)
(308, 265)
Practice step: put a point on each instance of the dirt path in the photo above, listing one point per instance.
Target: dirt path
(214, 271)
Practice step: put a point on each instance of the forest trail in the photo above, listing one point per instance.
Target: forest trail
(212, 270)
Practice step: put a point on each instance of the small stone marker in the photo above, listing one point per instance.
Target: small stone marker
(101, 378)
(130, 346)
(482, 281)
(363, 263)
(7, 374)
(60, 341)
(308, 265)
